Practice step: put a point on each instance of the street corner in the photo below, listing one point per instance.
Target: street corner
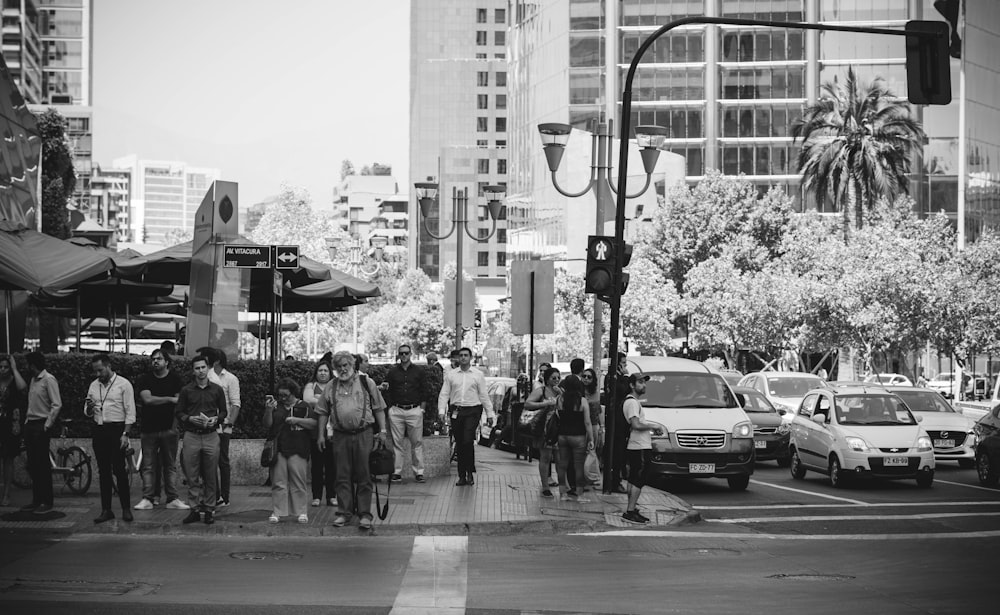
(604, 511)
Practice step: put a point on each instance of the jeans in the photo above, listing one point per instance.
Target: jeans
(200, 459)
(571, 449)
(107, 443)
(464, 430)
(288, 485)
(350, 453)
(159, 458)
(410, 424)
(224, 465)
(36, 441)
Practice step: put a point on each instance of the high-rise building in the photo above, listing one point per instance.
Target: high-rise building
(357, 198)
(728, 95)
(165, 196)
(458, 130)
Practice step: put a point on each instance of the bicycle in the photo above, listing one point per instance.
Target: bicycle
(74, 463)
(133, 465)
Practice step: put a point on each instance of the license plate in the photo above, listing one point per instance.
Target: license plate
(759, 444)
(895, 461)
(944, 444)
(701, 468)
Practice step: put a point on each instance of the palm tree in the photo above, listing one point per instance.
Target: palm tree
(856, 146)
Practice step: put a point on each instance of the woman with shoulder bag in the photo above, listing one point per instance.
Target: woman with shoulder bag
(575, 436)
(323, 469)
(544, 398)
(12, 384)
(290, 422)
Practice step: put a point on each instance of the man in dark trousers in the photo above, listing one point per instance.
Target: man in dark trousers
(111, 403)
(201, 408)
(44, 404)
(463, 398)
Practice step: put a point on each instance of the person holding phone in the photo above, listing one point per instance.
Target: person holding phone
(290, 422)
(201, 407)
(111, 403)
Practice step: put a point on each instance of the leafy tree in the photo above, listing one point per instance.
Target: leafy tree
(177, 235)
(856, 145)
(648, 307)
(416, 317)
(291, 220)
(346, 169)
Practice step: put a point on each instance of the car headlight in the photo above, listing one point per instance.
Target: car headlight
(743, 430)
(857, 444)
(782, 429)
(661, 434)
(972, 438)
(924, 444)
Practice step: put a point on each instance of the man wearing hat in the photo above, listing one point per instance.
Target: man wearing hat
(639, 448)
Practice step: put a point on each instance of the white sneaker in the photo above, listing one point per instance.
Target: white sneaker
(315, 502)
(303, 519)
(178, 504)
(273, 519)
(144, 504)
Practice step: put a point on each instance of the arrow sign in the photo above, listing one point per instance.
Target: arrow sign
(286, 257)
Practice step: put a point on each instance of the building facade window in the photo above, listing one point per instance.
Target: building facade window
(481, 15)
(501, 101)
(482, 124)
(502, 235)
(480, 37)
(482, 101)
(501, 124)
(482, 143)
(501, 78)
(501, 166)
(500, 38)
(499, 15)
(483, 166)
(483, 78)
(501, 259)
(483, 259)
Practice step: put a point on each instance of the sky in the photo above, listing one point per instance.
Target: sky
(268, 92)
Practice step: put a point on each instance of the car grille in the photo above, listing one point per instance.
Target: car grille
(957, 435)
(701, 439)
(876, 465)
(897, 451)
(686, 459)
(765, 430)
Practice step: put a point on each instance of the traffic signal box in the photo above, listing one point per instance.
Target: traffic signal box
(602, 257)
(928, 66)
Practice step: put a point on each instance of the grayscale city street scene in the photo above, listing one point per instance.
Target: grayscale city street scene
(416, 307)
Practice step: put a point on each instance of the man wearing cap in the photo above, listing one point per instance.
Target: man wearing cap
(639, 449)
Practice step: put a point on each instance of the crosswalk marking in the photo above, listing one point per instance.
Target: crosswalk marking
(948, 482)
(929, 516)
(756, 536)
(436, 580)
(867, 505)
(812, 493)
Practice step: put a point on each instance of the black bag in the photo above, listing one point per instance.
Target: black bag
(532, 422)
(552, 428)
(268, 455)
(382, 461)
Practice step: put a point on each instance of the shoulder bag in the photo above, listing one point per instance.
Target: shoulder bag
(552, 425)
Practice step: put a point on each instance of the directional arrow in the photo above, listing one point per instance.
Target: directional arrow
(286, 257)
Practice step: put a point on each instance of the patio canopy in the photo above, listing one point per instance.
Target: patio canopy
(36, 262)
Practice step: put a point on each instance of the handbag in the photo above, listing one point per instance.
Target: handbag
(381, 461)
(552, 428)
(268, 455)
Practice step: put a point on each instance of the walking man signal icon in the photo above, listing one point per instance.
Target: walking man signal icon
(601, 249)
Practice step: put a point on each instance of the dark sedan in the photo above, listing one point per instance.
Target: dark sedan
(988, 448)
(770, 430)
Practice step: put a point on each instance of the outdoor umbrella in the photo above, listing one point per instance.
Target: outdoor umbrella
(34, 262)
(339, 292)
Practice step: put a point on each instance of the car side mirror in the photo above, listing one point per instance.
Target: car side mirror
(782, 411)
(819, 418)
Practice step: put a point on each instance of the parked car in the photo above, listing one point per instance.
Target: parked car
(945, 383)
(770, 433)
(952, 434)
(704, 431)
(784, 390)
(889, 379)
(848, 432)
(988, 447)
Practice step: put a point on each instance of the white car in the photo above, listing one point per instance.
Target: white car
(848, 432)
(951, 432)
(945, 383)
(784, 390)
(889, 379)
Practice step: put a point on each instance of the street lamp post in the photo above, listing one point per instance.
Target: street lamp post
(427, 193)
(554, 139)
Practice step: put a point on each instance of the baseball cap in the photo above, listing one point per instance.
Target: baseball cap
(633, 378)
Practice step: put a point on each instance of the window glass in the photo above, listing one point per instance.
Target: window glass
(482, 124)
(807, 405)
(480, 37)
(482, 101)
(500, 37)
(501, 101)
(501, 124)
(480, 15)
(483, 259)
(483, 165)
(586, 50)
(499, 15)
(483, 78)
(501, 78)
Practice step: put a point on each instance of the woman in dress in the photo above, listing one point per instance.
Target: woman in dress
(575, 436)
(290, 422)
(545, 398)
(12, 386)
(323, 472)
(593, 396)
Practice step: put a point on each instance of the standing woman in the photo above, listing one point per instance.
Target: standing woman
(575, 435)
(290, 422)
(593, 396)
(323, 469)
(12, 385)
(544, 398)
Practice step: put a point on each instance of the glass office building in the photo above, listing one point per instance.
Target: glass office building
(728, 95)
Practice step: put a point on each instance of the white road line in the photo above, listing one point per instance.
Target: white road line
(853, 517)
(872, 505)
(804, 492)
(739, 536)
(948, 482)
(436, 580)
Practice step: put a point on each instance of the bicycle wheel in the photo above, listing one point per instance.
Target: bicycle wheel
(78, 473)
(21, 477)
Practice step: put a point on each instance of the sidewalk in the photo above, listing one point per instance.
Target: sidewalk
(505, 500)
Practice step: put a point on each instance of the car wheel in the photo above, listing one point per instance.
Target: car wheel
(984, 468)
(798, 470)
(838, 478)
(966, 464)
(925, 479)
(784, 462)
(738, 483)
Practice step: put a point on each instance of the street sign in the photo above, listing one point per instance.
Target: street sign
(523, 311)
(286, 257)
(248, 257)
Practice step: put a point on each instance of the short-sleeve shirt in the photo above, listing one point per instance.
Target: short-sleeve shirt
(159, 417)
(638, 439)
(349, 407)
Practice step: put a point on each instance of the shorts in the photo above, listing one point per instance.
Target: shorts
(639, 465)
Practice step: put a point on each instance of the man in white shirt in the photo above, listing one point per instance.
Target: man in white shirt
(463, 398)
(111, 403)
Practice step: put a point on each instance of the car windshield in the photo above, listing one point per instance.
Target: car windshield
(873, 410)
(796, 386)
(687, 390)
(924, 401)
(755, 402)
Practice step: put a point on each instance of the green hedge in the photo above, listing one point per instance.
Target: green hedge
(74, 373)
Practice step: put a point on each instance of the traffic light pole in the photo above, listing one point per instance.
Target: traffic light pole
(610, 481)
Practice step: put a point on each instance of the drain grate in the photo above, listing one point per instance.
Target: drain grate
(263, 555)
(812, 577)
(545, 547)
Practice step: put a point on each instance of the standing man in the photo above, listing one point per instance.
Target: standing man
(44, 404)
(201, 408)
(158, 391)
(639, 450)
(463, 398)
(406, 384)
(618, 446)
(453, 357)
(352, 404)
(111, 403)
(230, 384)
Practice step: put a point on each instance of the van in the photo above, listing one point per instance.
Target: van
(704, 431)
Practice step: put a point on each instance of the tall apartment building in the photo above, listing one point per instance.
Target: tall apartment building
(165, 196)
(356, 200)
(458, 130)
(728, 95)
